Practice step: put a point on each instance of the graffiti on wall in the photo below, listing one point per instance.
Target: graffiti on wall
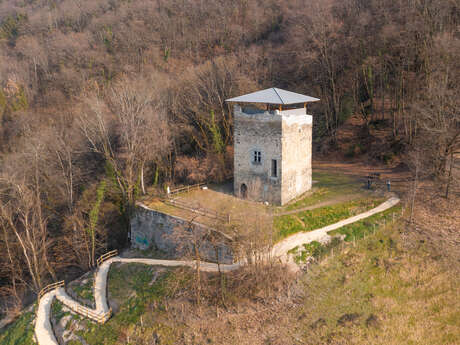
(142, 240)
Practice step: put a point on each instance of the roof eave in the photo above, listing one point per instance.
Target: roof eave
(231, 100)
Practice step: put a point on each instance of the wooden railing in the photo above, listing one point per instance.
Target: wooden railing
(199, 210)
(49, 288)
(186, 188)
(106, 256)
(93, 315)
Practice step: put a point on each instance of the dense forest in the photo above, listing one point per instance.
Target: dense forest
(101, 100)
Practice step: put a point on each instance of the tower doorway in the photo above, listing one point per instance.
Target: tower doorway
(244, 191)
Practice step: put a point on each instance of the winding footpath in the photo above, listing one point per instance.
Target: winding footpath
(43, 328)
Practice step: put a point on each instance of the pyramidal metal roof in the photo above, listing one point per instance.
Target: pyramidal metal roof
(273, 96)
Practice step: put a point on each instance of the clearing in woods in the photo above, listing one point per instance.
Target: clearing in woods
(332, 194)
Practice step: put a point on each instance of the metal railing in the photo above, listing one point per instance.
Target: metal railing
(49, 288)
(106, 256)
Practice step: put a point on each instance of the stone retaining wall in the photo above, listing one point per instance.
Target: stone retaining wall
(151, 228)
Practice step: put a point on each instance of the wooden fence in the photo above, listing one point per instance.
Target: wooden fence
(186, 189)
(106, 256)
(49, 288)
(93, 315)
(199, 210)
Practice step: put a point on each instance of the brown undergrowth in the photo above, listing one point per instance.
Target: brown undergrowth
(436, 222)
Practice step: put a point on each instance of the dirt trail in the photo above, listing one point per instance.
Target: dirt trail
(43, 329)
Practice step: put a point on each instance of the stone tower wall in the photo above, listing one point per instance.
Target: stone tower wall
(260, 132)
(285, 136)
(296, 156)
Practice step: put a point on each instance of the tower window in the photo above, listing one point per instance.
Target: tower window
(257, 157)
(274, 168)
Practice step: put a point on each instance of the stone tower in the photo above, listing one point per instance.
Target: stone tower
(272, 145)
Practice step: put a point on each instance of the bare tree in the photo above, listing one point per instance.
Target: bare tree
(127, 128)
(415, 163)
(22, 215)
(437, 112)
(190, 239)
(84, 229)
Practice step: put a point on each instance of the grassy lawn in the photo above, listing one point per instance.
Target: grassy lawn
(380, 293)
(362, 228)
(355, 231)
(309, 220)
(328, 186)
(140, 292)
(20, 332)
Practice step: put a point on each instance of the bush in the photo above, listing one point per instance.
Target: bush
(19, 332)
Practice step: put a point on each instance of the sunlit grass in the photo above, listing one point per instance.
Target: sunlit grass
(84, 291)
(139, 291)
(377, 292)
(327, 186)
(20, 332)
(314, 219)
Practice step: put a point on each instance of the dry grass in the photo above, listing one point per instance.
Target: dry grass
(437, 221)
(211, 201)
(158, 306)
(381, 293)
(389, 289)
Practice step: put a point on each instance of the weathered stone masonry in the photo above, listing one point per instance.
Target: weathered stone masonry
(163, 231)
(284, 136)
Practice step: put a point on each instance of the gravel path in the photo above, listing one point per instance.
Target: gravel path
(280, 249)
(44, 331)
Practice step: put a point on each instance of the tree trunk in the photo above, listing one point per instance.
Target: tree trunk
(142, 179)
(414, 193)
(449, 177)
(198, 275)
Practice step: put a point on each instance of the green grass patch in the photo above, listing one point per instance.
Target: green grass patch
(57, 311)
(85, 291)
(363, 227)
(328, 186)
(20, 332)
(313, 249)
(314, 219)
(74, 342)
(357, 230)
(140, 291)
